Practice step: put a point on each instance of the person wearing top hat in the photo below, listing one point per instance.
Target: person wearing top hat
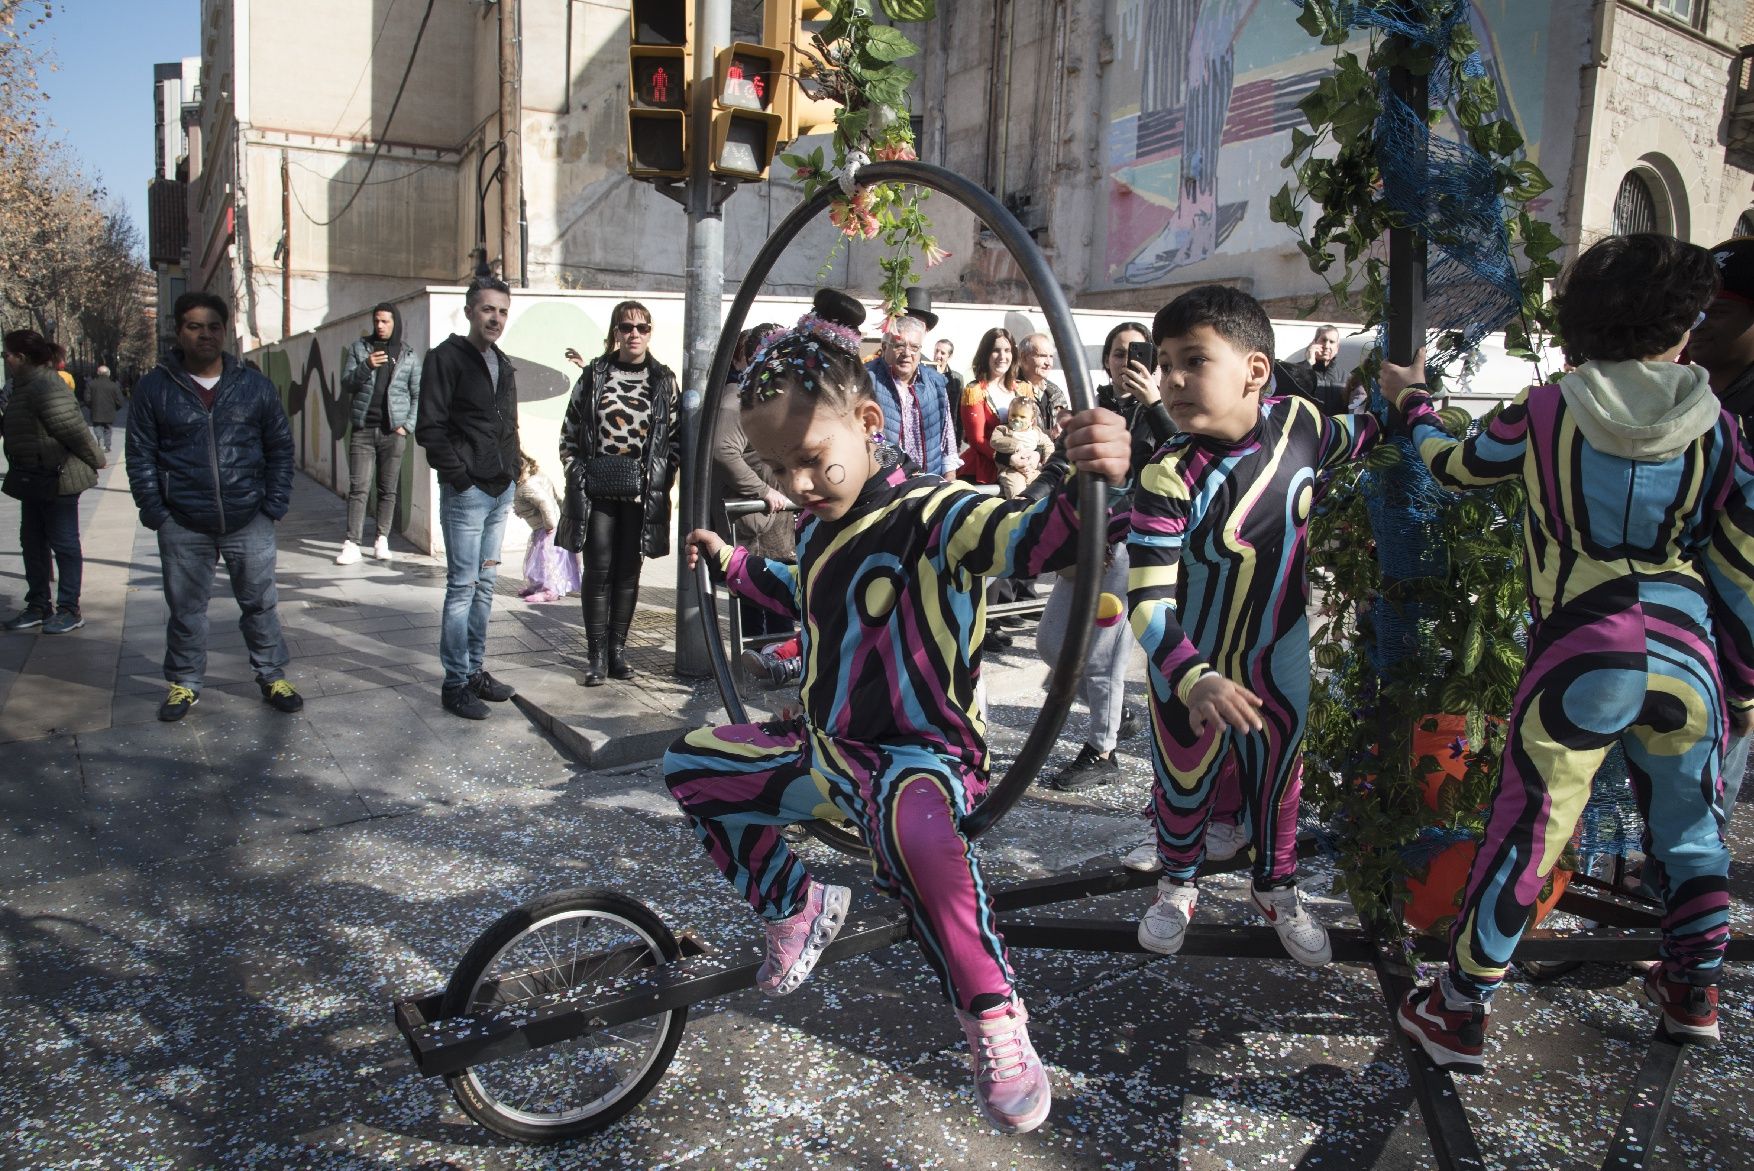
(915, 402)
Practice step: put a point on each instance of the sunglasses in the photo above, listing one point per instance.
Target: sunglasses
(633, 327)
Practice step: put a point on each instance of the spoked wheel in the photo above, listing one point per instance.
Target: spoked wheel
(562, 941)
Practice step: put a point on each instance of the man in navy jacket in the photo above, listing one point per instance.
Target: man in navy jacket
(210, 461)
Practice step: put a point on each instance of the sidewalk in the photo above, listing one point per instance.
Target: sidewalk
(97, 781)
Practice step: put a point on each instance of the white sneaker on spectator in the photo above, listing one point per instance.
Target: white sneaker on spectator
(349, 554)
(381, 550)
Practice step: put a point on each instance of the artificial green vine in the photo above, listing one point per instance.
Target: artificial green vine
(1345, 185)
(855, 61)
(1366, 774)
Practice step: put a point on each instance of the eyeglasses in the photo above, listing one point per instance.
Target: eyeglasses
(633, 327)
(902, 347)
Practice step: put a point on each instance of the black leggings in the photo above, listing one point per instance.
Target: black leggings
(612, 567)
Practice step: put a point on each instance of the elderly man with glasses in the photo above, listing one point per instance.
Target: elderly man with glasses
(917, 415)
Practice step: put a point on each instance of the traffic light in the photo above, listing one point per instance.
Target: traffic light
(746, 130)
(659, 66)
(787, 25)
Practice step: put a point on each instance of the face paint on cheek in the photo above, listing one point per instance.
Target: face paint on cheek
(835, 474)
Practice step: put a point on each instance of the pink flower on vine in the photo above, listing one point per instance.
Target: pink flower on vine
(804, 172)
(895, 152)
(934, 255)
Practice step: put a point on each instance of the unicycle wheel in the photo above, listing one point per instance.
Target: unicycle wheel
(561, 941)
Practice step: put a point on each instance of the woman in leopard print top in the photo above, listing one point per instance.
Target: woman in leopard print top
(620, 445)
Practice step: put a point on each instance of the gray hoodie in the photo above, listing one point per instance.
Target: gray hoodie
(1645, 411)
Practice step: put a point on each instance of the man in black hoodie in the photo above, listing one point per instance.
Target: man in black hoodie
(469, 429)
(381, 374)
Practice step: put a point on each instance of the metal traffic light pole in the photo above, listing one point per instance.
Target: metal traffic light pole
(702, 313)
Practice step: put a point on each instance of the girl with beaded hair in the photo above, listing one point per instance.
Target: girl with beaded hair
(887, 591)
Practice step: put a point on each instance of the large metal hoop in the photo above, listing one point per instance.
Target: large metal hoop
(1092, 512)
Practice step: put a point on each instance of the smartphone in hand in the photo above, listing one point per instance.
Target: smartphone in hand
(1143, 353)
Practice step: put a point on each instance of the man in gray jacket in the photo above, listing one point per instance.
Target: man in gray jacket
(103, 398)
(382, 376)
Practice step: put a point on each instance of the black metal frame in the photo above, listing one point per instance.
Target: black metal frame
(443, 1045)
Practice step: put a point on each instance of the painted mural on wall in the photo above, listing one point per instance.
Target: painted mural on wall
(1200, 102)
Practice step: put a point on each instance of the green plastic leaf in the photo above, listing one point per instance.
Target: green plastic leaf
(886, 44)
(910, 10)
(1532, 182)
(1313, 19)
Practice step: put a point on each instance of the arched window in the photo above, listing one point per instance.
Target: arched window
(1744, 225)
(1635, 207)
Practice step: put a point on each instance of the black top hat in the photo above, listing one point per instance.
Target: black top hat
(919, 304)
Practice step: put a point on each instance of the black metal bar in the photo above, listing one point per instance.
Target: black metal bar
(1609, 908)
(1647, 1106)
(1112, 879)
(1211, 940)
(1407, 253)
(442, 1046)
(1446, 1120)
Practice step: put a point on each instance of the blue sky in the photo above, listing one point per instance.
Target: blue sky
(100, 94)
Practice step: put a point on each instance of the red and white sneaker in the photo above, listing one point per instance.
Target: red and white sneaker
(1454, 1039)
(795, 943)
(1689, 1010)
(1303, 935)
(1009, 1082)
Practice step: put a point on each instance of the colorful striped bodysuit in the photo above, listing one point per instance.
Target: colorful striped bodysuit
(1640, 574)
(1218, 583)
(891, 736)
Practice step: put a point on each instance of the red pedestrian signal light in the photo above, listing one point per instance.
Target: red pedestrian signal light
(659, 66)
(746, 131)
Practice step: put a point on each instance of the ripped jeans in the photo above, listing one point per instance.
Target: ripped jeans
(473, 523)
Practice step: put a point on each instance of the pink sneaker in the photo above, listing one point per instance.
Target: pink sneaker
(1009, 1081)
(794, 944)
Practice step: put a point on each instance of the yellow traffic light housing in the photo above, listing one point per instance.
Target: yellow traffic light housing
(746, 130)
(659, 65)
(786, 25)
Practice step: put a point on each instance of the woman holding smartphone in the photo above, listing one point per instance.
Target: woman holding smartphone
(620, 446)
(1131, 392)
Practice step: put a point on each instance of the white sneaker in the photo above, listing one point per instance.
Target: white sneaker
(1301, 932)
(349, 554)
(1224, 841)
(1165, 925)
(381, 550)
(1145, 857)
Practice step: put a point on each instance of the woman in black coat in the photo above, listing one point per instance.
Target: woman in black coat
(620, 445)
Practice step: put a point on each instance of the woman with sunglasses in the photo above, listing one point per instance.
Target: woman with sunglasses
(620, 445)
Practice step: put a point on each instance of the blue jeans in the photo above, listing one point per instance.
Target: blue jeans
(473, 523)
(48, 532)
(187, 558)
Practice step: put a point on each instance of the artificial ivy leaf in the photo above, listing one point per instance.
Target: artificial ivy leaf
(910, 10)
(886, 44)
(1313, 19)
(1282, 207)
(1497, 138)
(1532, 181)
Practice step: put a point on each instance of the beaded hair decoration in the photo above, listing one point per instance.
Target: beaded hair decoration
(799, 354)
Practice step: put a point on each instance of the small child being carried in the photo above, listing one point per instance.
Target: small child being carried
(888, 592)
(1025, 446)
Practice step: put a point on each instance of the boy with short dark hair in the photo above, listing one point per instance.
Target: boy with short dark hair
(1219, 593)
(1639, 535)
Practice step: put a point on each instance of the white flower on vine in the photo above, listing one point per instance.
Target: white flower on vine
(849, 170)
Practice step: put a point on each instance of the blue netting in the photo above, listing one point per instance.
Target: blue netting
(1446, 190)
